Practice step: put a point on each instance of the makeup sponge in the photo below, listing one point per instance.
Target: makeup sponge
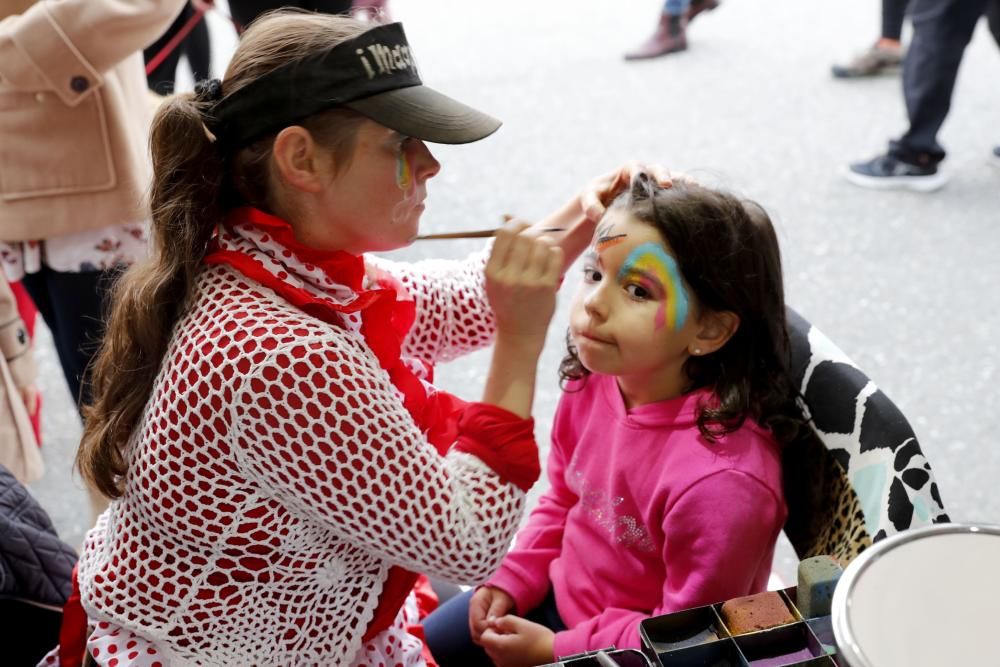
(818, 576)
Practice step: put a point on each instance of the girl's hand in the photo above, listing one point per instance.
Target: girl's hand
(522, 276)
(487, 604)
(579, 217)
(600, 192)
(512, 641)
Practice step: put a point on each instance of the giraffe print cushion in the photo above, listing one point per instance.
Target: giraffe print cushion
(859, 476)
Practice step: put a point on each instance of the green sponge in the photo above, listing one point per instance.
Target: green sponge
(818, 576)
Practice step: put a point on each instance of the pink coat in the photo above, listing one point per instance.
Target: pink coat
(75, 113)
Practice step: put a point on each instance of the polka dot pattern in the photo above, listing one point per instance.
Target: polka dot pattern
(276, 476)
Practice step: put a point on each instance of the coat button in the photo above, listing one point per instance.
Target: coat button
(79, 83)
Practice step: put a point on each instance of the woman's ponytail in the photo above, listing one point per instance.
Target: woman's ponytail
(149, 297)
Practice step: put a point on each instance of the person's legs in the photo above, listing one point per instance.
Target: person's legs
(448, 637)
(198, 50)
(669, 35)
(941, 31)
(450, 641)
(993, 19)
(893, 12)
(886, 53)
(161, 79)
(73, 307)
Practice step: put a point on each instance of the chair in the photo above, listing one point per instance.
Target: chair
(858, 475)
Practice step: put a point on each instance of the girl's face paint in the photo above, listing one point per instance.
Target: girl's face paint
(633, 317)
(655, 270)
(605, 237)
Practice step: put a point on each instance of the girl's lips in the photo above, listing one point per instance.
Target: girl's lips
(594, 339)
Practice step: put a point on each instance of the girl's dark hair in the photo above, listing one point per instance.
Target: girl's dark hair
(193, 185)
(728, 255)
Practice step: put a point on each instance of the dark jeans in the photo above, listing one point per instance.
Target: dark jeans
(245, 11)
(893, 12)
(449, 639)
(196, 47)
(941, 31)
(73, 307)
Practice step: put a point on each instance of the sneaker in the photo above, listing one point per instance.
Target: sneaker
(996, 156)
(888, 173)
(873, 61)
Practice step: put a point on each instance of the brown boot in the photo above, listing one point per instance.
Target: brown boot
(668, 37)
(698, 6)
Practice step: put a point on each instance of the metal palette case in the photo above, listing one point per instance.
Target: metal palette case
(622, 658)
(699, 637)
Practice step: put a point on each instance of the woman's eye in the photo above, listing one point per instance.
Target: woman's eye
(637, 291)
(591, 275)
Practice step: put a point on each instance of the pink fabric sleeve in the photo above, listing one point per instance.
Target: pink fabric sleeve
(717, 535)
(524, 573)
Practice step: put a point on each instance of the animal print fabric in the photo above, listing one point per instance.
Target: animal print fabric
(859, 475)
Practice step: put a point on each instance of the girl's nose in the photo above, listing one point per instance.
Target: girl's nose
(595, 305)
(425, 165)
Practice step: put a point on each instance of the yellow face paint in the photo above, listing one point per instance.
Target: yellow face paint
(651, 259)
(403, 178)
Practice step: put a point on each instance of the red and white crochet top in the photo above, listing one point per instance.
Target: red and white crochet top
(282, 472)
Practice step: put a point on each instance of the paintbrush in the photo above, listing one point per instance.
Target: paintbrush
(478, 234)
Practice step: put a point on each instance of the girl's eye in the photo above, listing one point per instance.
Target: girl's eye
(591, 275)
(637, 291)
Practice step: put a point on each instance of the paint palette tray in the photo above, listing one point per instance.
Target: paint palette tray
(700, 637)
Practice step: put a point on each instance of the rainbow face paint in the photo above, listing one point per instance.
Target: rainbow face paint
(651, 259)
(403, 177)
(605, 238)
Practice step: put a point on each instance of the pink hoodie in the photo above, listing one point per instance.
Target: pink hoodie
(644, 516)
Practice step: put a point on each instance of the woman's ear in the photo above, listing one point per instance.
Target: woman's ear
(715, 328)
(298, 159)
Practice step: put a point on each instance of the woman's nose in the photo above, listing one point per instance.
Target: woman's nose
(425, 164)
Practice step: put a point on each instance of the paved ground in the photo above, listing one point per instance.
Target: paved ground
(904, 283)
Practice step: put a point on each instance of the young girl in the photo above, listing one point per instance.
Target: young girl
(665, 471)
(279, 465)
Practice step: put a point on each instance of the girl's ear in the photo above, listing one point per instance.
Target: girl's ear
(715, 328)
(298, 159)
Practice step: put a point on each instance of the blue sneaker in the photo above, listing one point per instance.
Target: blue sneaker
(888, 173)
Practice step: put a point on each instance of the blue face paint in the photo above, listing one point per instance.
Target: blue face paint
(653, 260)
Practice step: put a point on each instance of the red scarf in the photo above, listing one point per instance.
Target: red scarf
(385, 321)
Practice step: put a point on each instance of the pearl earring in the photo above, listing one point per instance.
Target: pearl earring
(696, 350)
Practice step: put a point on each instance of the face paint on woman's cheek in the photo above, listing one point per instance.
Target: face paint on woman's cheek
(651, 258)
(404, 178)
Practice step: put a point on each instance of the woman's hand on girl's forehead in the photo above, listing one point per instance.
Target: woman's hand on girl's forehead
(601, 191)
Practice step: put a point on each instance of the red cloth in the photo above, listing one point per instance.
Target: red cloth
(73, 631)
(500, 439)
(29, 314)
